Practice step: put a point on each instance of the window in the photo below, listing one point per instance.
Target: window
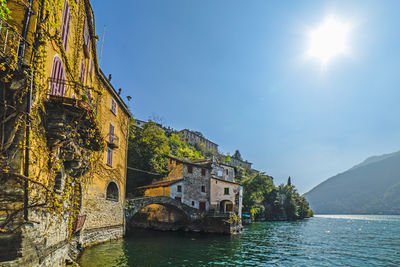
(178, 199)
(219, 173)
(91, 69)
(109, 156)
(203, 189)
(113, 106)
(226, 191)
(111, 134)
(203, 172)
(65, 25)
(86, 38)
(59, 180)
(227, 172)
(179, 188)
(190, 169)
(82, 76)
(57, 82)
(112, 192)
(192, 203)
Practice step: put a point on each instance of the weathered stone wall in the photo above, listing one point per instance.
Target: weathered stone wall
(217, 193)
(192, 194)
(223, 172)
(175, 170)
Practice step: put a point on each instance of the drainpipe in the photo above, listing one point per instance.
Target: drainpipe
(22, 45)
(27, 144)
(21, 52)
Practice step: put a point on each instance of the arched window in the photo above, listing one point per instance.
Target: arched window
(57, 82)
(112, 191)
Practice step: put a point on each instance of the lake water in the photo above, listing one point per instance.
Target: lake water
(325, 240)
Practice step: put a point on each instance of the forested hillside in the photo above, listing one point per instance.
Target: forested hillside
(371, 187)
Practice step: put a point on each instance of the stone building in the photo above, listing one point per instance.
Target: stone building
(203, 184)
(225, 194)
(240, 163)
(63, 167)
(197, 138)
(187, 182)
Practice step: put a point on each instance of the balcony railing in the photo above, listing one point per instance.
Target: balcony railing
(59, 88)
(112, 141)
(10, 42)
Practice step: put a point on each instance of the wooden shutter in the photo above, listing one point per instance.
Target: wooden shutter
(109, 156)
(111, 133)
(113, 106)
(82, 76)
(57, 82)
(65, 24)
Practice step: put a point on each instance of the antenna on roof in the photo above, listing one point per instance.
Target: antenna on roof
(102, 42)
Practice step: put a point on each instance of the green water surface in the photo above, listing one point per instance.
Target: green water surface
(335, 240)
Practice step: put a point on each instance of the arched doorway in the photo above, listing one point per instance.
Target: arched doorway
(57, 80)
(225, 206)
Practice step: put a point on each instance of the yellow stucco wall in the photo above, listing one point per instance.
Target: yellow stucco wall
(158, 191)
(94, 204)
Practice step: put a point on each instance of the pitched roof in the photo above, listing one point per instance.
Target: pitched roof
(222, 180)
(160, 184)
(190, 163)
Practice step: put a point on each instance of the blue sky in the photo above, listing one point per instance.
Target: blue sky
(235, 70)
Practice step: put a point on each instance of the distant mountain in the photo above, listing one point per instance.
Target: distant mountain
(371, 187)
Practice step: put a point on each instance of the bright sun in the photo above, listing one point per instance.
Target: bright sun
(329, 39)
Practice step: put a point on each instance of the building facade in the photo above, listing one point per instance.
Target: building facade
(240, 163)
(63, 169)
(196, 138)
(187, 182)
(204, 184)
(225, 194)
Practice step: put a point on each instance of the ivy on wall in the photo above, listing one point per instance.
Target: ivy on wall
(48, 158)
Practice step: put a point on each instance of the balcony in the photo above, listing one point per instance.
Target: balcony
(112, 141)
(58, 88)
(10, 41)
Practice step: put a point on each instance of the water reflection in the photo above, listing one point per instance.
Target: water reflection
(316, 242)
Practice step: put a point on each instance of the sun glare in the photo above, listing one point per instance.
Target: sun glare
(329, 40)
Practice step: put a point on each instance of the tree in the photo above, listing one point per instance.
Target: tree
(147, 148)
(237, 155)
(289, 182)
(4, 11)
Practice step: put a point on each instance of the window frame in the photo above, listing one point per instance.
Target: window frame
(179, 188)
(190, 169)
(226, 190)
(113, 107)
(110, 153)
(65, 22)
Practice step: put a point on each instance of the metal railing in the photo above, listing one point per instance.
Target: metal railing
(112, 141)
(10, 43)
(81, 95)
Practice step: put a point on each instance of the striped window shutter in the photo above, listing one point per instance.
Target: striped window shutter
(65, 24)
(111, 133)
(82, 76)
(86, 35)
(113, 106)
(109, 156)
(57, 78)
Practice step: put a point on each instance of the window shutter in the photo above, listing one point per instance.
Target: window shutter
(113, 106)
(65, 24)
(109, 156)
(111, 133)
(82, 76)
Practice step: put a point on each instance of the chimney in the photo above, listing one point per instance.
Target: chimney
(109, 77)
(119, 91)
